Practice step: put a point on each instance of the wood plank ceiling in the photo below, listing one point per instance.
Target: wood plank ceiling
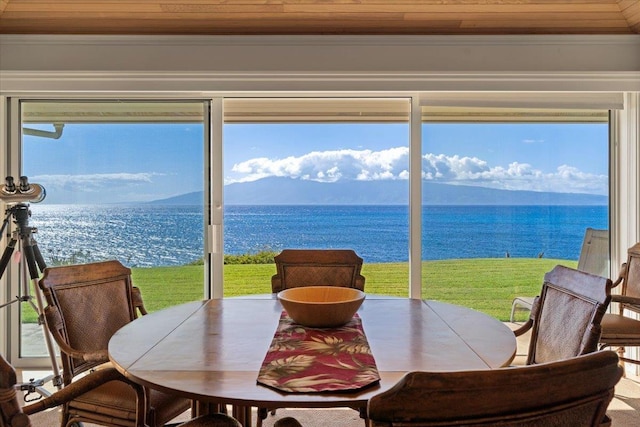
(353, 17)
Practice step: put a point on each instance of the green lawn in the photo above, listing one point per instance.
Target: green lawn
(488, 285)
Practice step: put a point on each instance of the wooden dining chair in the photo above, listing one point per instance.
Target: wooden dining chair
(570, 392)
(86, 305)
(622, 328)
(317, 267)
(13, 415)
(565, 318)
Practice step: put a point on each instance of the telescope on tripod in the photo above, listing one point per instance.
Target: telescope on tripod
(32, 262)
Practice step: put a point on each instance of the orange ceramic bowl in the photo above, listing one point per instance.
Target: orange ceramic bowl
(321, 306)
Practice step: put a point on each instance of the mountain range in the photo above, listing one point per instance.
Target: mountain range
(287, 191)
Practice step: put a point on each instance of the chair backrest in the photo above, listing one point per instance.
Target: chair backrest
(573, 392)
(566, 321)
(630, 276)
(10, 412)
(594, 255)
(86, 305)
(317, 267)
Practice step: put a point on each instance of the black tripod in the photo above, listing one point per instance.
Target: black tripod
(23, 237)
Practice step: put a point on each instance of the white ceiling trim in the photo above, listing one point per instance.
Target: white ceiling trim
(285, 84)
(325, 55)
(249, 65)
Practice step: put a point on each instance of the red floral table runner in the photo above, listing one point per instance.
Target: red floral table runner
(307, 360)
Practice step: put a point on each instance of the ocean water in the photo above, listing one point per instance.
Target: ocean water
(146, 235)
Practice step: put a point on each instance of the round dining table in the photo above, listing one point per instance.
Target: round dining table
(211, 351)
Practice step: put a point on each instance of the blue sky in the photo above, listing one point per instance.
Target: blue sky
(541, 157)
(112, 163)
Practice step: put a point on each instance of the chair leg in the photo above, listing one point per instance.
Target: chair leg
(64, 416)
(243, 414)
(363, 415)
(513, 311)
(261, 415)
(620, 352)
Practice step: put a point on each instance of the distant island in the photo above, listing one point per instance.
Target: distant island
(287, 191)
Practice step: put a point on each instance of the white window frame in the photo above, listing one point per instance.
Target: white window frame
(625, 205)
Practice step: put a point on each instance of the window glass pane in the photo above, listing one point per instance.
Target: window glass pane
(316, 174)
(506, 199)
(123, 181)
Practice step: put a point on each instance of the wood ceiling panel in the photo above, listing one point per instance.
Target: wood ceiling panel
(319, 16)
(514, 17)
(631, 11)
(584, 24)
(439, 7)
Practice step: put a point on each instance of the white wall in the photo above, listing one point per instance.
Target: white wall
(307, 63)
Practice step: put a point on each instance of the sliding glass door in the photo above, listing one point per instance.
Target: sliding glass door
(123, 180)
(507, 195)
(316, 173)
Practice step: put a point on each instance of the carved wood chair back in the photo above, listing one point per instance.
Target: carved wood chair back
(573, 391)
(565, 320)
(317, 267)
(86, 305)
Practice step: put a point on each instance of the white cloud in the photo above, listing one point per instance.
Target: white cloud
(92, 182)
(516, 176)
(328, 166)
(367, 165)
